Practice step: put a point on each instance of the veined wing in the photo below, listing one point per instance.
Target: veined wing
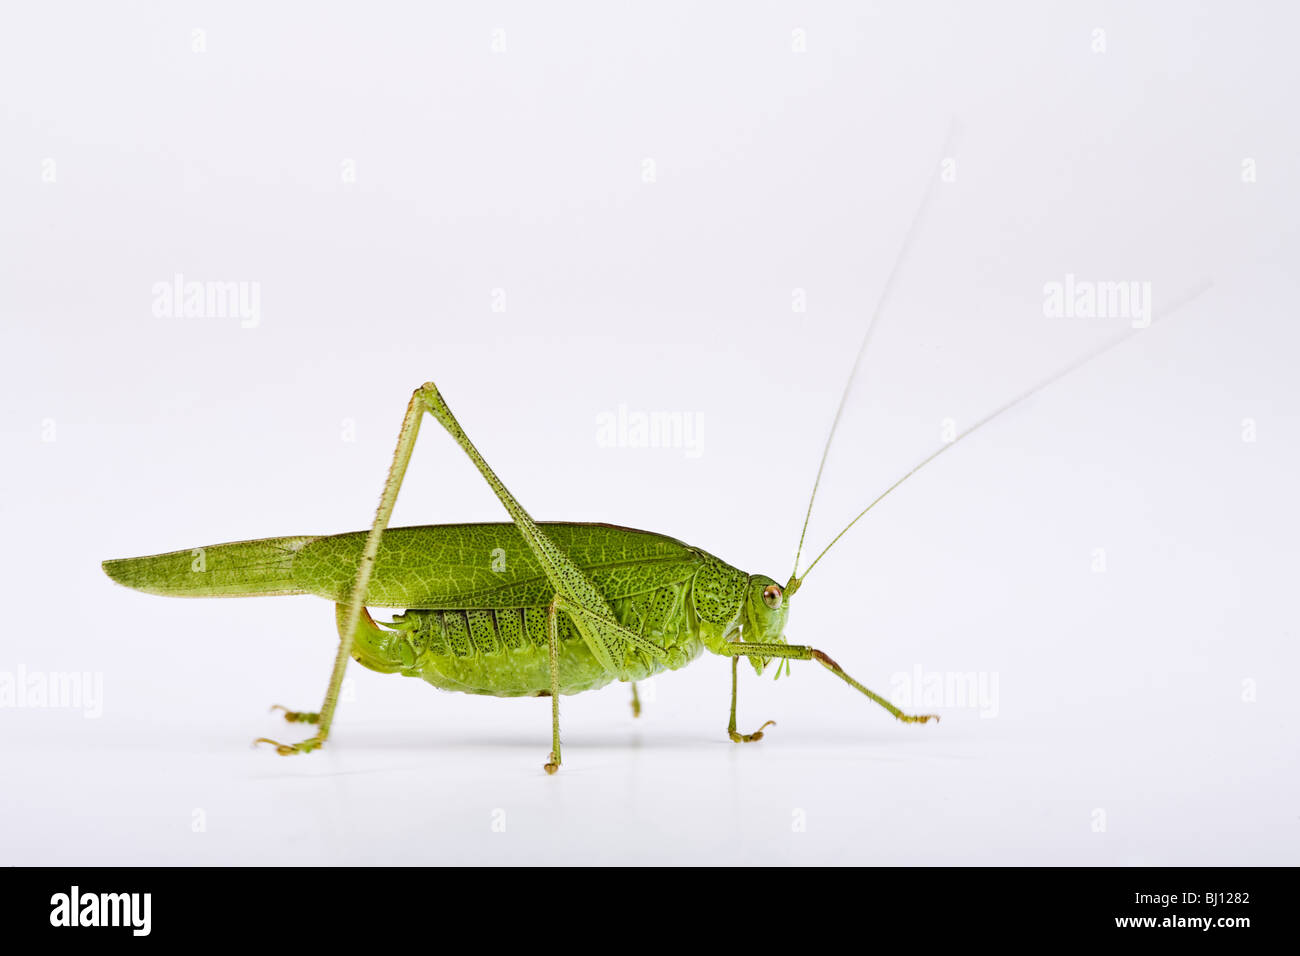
(464, 566)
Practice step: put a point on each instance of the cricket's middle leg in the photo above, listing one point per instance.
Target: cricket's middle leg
(553, 642)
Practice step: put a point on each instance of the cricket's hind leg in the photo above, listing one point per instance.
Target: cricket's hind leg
(367, 648)
(607, 640)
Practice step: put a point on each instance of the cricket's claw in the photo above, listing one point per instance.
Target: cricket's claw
(750, 738)
(296, 716)
(552, 764)
(288, 750)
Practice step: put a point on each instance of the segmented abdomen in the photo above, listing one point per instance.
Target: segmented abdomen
(505, 653)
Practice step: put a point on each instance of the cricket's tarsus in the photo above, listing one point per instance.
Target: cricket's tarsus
(750, 738)
(297, 716)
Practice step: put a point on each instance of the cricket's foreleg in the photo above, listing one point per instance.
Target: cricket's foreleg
(553, 643)
(798, 653)
(740, 738)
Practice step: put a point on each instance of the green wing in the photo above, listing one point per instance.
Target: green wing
(467, 566)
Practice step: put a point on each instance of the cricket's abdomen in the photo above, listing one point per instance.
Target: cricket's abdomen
(504, 652)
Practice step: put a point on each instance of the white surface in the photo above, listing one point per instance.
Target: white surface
(1119, 691)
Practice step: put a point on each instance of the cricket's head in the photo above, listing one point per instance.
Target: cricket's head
(764, 615)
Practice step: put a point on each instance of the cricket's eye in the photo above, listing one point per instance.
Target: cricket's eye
(772, 596)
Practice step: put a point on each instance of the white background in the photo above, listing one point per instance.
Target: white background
(1144, 715)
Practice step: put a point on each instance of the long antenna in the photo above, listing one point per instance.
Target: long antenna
(1078, 363)
(912, 231)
